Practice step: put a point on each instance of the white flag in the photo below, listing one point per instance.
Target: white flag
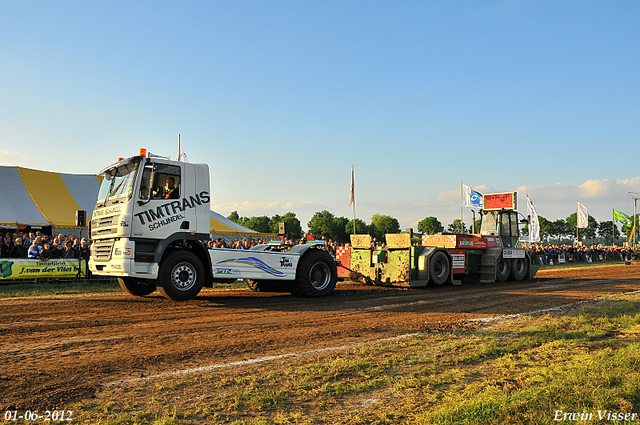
(534, 223)
(583, 217)
(181, 157)
(471, 198)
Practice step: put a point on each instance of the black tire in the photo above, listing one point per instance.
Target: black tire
(439, 268)
(137, 288)
(181, 276)
(316, 276)
(267, 286)
(519, 269)
(503, 269)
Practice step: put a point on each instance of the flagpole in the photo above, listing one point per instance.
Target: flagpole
(613, 231)
(353, 198)
(461, 205)
(577, 222)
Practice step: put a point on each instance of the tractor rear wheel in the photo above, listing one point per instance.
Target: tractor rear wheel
(503, 269)
(519, 269)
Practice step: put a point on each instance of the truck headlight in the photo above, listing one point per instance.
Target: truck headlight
(122, 252)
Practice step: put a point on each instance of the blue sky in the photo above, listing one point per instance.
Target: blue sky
(280, 98)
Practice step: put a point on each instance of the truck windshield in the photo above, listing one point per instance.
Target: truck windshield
(118, 183)
(490, 223)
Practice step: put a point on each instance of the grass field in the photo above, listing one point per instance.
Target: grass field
(582, 367)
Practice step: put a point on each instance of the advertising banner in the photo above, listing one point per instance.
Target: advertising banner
(26, 268)
(498, 201)
(583, 216)
(534, 225)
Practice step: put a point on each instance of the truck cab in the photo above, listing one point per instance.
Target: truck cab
(144, 206)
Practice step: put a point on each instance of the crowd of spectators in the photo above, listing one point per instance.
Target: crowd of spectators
(552, 254)
(40, 246)
(248, 243)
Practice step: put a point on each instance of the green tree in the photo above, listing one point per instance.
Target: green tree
(234, 216)
(259, 224)
(361, 227)
(293, 224)
(606, 229)
(340, 229)
(457, 227)
(383, 224)
(322, 223)
(560, 229)
(588, 232)
(545, 228)
(430, 226)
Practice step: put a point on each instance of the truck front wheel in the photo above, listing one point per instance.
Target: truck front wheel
(181, 276)
(316, 276)
(137, 288)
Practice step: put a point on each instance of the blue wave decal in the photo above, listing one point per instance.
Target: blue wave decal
(253, 261)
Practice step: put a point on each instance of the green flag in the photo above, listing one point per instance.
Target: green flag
(621, 217)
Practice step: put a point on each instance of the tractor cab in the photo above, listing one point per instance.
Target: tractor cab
(502, 223)
(500, 218)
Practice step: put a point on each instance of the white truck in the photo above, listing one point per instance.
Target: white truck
(150, 226)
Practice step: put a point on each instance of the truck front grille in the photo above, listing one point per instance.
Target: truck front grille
(101, 250)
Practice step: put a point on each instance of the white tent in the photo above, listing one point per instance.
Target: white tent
(43, 198)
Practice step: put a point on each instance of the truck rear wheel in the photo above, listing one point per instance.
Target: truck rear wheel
(181, 276)
(137, 288)
(438, 268)
(519, 269)
(503, 269)
(316, 275)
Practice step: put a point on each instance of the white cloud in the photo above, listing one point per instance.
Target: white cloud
(11, 158)
(552, 202)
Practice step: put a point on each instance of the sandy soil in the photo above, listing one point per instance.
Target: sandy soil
(63, 349)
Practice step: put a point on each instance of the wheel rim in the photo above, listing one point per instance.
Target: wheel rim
(183, 276)
(320, 276)
(439, 268)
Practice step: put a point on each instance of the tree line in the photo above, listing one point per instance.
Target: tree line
(323, 223)
(326, 224)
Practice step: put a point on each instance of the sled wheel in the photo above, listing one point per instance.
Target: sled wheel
(439, 268)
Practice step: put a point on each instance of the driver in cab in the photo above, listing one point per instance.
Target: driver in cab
(170, 192)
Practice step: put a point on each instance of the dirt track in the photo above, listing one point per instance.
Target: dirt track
(60, 350)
